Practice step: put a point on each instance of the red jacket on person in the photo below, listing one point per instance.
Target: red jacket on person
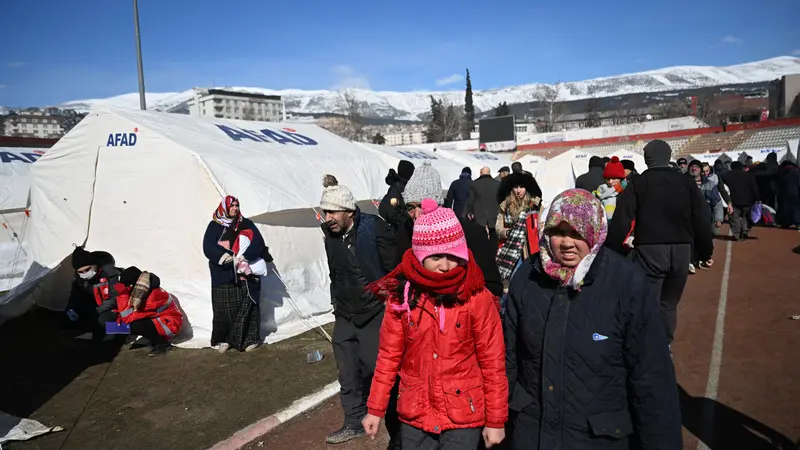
(448, 380)
(159, 306)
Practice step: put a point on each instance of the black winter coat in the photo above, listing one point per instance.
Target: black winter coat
(225, 273)
(743, 188)
(458, 194)
(589, 369)
(666, 207)
(359, 257)
(594, 177)
(482, 203)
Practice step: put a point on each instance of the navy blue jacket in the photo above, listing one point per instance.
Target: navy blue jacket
(361, 256)
(458, 194)
(590, 369)
(225, 273)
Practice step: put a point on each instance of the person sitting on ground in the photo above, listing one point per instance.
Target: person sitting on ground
(149, 310)
(93, 296)
(607, 193)
(437, 304)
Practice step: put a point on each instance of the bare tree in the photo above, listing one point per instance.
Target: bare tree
(350, 108)
(549, 98)
(592, 113)
(445, 122)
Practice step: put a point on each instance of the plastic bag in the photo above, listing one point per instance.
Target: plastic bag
(755, 213)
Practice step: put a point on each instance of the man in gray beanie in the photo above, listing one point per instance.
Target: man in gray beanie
(426, 183)
(670, 215)
(361, 249)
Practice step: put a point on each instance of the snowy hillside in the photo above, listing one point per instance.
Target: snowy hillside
(409, 105)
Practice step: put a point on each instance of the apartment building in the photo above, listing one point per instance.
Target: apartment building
(224, 104)
(34, 124)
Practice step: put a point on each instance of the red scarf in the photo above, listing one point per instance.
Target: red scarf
(463, 281)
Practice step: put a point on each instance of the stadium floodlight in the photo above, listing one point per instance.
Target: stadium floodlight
(142, 101)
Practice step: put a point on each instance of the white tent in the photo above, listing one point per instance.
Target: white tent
(532, 163)
(476, 160)
(559, 173)
(15, 166)
(448, 169)
(638, 160)
(143, 185)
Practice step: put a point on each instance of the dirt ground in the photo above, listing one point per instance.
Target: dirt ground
(758, 401)
(109, 397)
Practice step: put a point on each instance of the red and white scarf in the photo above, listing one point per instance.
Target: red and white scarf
(221, 215)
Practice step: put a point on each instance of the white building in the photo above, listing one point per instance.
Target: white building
(405, 137)
(237, 105)
(35, 125)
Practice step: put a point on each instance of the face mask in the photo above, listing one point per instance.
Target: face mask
(88, 275)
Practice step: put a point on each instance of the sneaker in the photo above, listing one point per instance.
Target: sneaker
(160, 349)
(703, 265)
(692, 270)
(223, 347)
(251, 347)
(345, 434)
(744, 236)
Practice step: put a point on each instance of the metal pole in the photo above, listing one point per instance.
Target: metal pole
(142, 102)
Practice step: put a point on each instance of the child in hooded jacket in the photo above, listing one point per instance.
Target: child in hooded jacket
(614, 174)
(442, 334)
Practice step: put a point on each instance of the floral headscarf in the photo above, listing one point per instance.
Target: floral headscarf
(585, 214)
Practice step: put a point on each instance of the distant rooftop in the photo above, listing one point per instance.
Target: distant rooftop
(242, 94)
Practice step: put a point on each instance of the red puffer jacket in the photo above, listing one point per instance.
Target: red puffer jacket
(159, 306)
(448, 380)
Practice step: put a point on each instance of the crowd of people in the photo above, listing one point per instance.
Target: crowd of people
(474, 317)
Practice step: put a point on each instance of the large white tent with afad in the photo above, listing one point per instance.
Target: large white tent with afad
(143, 185)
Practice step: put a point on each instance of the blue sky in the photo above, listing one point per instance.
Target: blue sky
(54, 50)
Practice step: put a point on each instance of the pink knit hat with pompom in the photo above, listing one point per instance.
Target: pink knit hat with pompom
(438, 232)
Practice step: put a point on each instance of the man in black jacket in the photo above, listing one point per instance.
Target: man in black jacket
(361, 249)
(392, 208)
(665, 213)
(594, 177)
(744, 192)
(458, 194)
(482, 207)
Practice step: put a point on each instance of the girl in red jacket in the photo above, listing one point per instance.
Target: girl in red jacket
(442, 334)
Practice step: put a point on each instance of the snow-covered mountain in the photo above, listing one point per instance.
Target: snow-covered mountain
(409, 105)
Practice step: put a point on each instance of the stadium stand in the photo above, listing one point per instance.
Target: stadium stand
(710, 143)
(774, 137)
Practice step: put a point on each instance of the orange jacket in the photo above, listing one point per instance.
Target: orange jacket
(159, 306)
(448, 380)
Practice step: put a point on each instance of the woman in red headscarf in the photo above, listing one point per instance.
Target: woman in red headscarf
(234, 294)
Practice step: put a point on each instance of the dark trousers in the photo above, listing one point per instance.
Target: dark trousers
(147, 329)
(494, 241)
(356, 351)
(667, 268)
(739, 220)
(461, 439)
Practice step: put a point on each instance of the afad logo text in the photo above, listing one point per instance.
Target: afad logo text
(122, 139)
(284, 136)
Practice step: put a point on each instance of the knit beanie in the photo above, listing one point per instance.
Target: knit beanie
(614, 169)
(657, 153)
(627, 164)
(438, 232)
(405, 169)
(425, 183)
(82, 258)
(337, 198)
(129, 276)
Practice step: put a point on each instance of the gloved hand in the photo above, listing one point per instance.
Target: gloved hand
(228, 258)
